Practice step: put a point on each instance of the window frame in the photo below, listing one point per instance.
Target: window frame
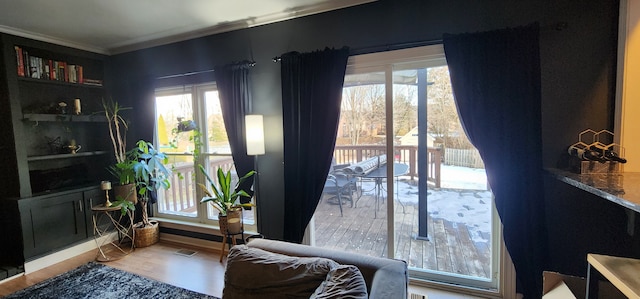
(198, 102)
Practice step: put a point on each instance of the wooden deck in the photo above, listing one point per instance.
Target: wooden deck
(450, 246)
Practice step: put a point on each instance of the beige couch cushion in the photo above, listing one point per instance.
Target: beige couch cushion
(256, 273)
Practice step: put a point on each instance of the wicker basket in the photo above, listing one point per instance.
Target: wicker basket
(146, 236)
(231, 223)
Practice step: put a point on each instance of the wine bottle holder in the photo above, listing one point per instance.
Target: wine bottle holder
(603, 143)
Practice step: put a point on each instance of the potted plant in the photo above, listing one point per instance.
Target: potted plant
(123, 168)
(225, 199)
(151, 175)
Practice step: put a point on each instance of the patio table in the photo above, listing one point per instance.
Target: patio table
(378, 175)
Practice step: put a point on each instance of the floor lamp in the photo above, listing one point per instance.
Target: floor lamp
(254, 127)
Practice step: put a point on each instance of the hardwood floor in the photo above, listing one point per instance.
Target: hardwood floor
(201, 272)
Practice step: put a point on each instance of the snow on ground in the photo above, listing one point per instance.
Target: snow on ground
(462, 198)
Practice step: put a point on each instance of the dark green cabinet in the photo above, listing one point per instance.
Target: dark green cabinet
(52, 222)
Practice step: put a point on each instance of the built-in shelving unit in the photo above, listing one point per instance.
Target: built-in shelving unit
(65, 117)
(41, 81)
(53, 97)
(66, 156)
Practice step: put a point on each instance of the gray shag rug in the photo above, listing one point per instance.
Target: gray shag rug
(95, 280)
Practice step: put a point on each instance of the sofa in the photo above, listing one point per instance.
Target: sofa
(274, 269)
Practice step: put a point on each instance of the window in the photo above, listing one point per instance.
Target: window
(190, 129)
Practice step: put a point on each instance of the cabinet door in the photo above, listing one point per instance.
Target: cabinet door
(92, 198)
(52, 222)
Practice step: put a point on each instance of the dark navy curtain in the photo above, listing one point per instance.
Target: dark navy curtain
(311, 98)
(233, 84)
(496, 84)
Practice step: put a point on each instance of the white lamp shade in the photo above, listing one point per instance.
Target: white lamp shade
(255, 134)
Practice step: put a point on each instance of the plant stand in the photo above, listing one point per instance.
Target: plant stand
(229, 238)
(104, 224)
(230, 226)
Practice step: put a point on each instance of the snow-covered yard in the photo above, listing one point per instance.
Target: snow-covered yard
(463, 198)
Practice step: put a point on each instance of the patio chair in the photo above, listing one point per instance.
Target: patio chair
(340, 186)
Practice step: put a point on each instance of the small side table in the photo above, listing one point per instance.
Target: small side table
(108, 220)
(623, 273)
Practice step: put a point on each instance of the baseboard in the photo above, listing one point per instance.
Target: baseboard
(64, 254)
(206, 245)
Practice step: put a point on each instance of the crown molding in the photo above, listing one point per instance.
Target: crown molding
(53, 40)
(159, 40)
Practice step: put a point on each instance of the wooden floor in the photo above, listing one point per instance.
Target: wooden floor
(450, 247)
(201, 272)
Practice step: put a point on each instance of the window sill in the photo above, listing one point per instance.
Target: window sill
(193, 226)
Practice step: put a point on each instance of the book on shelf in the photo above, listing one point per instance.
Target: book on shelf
(42, 68)
(80, 73)
(19, 60)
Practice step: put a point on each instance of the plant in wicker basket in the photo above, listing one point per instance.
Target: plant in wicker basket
(151, 174)
(224, 198)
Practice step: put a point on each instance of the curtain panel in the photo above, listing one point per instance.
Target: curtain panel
(311, 99)
(233, 82)
(496, 83)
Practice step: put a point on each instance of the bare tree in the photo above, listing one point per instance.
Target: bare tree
(362, 111)
(404, 109)
(442, 114)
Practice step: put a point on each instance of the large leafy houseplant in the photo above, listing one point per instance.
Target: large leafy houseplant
(151, 173)
(222, 196)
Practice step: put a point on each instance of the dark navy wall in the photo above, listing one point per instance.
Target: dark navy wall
(578, 63)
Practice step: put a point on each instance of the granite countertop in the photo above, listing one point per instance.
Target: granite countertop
(621, 188)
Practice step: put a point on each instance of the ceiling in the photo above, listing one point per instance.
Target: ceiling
(116, 26)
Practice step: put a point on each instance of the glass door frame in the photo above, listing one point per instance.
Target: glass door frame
(415, 58)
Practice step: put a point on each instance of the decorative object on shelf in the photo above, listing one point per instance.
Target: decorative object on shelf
(62, 108)
(595, 147)
(55, 145)
(106, 186)
(77, 108)
(72, 147)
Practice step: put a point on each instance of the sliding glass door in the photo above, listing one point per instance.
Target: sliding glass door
(421, 193)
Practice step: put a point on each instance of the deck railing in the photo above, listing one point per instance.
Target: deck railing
(181, 197)
(407, 154)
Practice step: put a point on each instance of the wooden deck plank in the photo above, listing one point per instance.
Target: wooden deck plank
(450, 247)
(458, 263)
(476, 268)
(443, 254)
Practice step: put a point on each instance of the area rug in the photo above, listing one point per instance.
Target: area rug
(95, 280)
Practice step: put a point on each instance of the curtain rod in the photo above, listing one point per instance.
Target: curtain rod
(185, 74)
(558, 26)
(380, 48)
(247, 62)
